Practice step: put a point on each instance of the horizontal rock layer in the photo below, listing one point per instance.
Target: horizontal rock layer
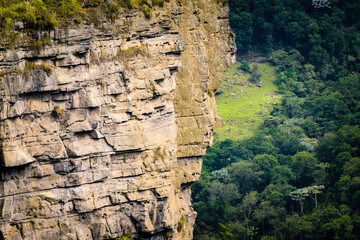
(102, 131)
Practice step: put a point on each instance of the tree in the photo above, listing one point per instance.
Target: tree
(281, 175)
(299, 195)
(323, 166)
(292, 104)
(313, 191)
(321, 3)
(266, 163)
(303, 165)
(224, 232)
(245, 175)
(247, 206)
(244, 66)
(262, 211)
(352, 167)
(241, 25)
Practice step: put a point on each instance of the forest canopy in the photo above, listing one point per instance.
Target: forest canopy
(298, 177)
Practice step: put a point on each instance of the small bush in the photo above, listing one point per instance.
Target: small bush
(131, 3)
(157, 3)
(222, 2)
(132, 52)
(34, 14)
(70, 10)
(126, 236)
(39, 43)
(244, 66)
(147, 12)
(17, 71)
(29, 66)
(181, 224)
(57, 111)
(159, 154)
(255, 77)
(92, 3)
(113, 8)
(48, 69)
(167, 235)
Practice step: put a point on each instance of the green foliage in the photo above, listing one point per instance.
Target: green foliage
(57, 111)
(251, 105)
(244, 66)
(22, 15)
(35, 14)
(352, 167)
(159, 154)
(39, 43)
(48, 69)
(255, 77)
(31, 66)
(221, 2)
(70, 9)
(224, 232)
(126, 236)
(113, 9)
(132, 52)
(158, 2)
(241, 25)
(131, 3)
(181, 224)
(147, 12)
(305, 150)
(326, 37)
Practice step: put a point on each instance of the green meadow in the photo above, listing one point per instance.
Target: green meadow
(242, 105)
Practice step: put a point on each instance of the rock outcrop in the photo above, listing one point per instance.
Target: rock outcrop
(103, 130)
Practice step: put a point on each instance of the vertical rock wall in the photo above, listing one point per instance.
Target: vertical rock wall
(102, 131)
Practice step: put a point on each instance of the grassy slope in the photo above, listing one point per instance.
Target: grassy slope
(251, 105)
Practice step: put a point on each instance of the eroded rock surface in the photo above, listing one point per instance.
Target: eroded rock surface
(102, 132)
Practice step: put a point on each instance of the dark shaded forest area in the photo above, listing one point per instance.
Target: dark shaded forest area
(298, 177)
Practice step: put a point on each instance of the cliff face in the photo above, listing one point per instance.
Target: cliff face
(102, 131)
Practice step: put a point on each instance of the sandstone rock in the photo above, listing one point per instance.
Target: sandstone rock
(134, 119)
(17, 109)
(15, 154)
(77, 148)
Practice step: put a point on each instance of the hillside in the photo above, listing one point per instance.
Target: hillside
(243, 105)
(297, 175)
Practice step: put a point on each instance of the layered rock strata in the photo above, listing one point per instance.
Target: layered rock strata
(102, 131)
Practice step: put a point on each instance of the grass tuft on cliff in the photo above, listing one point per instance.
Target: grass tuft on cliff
(126, 236)
(221, 2)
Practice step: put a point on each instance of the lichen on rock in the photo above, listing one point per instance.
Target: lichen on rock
(135, 118)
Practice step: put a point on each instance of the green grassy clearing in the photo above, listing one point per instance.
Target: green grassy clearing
(251, 105)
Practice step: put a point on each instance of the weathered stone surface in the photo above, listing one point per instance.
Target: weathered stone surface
(110, 141)
(15, 154)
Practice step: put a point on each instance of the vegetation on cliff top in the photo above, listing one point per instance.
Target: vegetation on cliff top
(33, 15)
(46, 14)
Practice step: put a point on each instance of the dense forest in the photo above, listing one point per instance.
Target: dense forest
(298, 177)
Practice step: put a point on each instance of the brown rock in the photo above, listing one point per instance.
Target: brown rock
(134, 119)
